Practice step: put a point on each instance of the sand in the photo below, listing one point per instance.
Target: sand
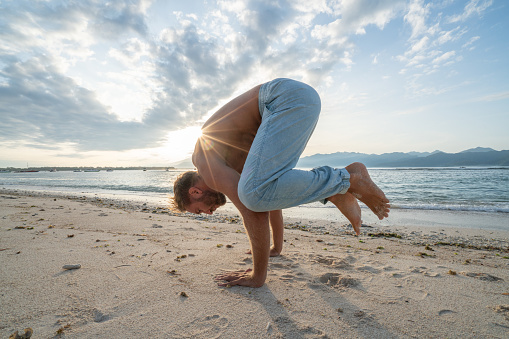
(143, 272)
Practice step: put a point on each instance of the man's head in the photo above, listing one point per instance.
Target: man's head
(191, 194)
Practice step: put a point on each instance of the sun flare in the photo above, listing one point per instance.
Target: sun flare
(180, 144)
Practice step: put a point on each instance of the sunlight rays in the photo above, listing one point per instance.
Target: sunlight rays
(208, 144)
(226, 111)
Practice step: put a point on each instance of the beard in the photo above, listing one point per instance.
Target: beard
(210, 197)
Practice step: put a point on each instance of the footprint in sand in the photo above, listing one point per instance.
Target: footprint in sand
(211, 326)
(293, 329)
(444, 312)
(481, 276)
(368, 269)
(333, 262)
(100, 317)
(503, 309)
(336, 280)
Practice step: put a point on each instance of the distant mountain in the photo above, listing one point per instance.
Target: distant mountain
(473, 157)
(478, 149)
(479, 156)
(186, 163)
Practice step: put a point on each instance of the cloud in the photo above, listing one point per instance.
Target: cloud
(469, 43)
(494, 97)
(355, 16)
(131, 52)
(433, 40)
(41, 105)
(178, 74)
(189, 71)
(473, 7)
(444, 57)
(416, 17)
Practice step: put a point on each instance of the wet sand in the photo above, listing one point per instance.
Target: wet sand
(146, 272)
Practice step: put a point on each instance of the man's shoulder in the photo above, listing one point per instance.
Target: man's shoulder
(205, 155)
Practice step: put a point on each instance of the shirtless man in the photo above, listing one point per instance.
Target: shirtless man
(248, 151)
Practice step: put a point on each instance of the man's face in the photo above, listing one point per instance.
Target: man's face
(207, 203)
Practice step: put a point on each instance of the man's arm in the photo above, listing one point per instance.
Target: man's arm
(218, 176)
(277, 227)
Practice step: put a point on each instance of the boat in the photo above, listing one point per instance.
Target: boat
(77, 170)
(28, 170)
(109, 170)
(53, 170)
(91, 170)
(5, 171)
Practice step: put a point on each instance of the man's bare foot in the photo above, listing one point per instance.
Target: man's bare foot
(364, 189)
(348, 205)
(273, 252)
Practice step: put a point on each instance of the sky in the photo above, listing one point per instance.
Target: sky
(129, 83)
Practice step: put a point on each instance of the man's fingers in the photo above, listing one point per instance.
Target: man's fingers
(232, 283)
(233, 278)
(227, 277)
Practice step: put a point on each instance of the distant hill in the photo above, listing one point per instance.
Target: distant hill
(186, 163)
(472, 157)
(478, 149)
(479, 156)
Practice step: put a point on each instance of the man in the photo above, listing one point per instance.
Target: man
(248, 151)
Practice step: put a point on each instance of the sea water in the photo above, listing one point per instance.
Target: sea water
(456, 189)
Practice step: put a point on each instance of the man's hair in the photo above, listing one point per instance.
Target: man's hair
(181, 188)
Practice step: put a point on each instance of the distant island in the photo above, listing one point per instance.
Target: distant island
(84, 169)
(479, 156)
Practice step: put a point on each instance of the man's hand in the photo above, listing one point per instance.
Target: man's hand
(240, 278)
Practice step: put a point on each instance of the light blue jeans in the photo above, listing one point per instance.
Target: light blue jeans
(269, 181)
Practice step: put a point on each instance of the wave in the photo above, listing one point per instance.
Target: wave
(438, 168)
(431, 207)
(463, 208)
(99, 188)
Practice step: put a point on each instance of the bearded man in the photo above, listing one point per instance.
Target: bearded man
(248, 151)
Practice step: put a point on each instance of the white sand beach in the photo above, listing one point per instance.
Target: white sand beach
(148, 273)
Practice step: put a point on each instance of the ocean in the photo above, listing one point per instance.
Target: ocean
(456, 189)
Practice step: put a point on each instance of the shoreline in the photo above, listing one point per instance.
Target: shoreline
(405, 220)
(147, 272)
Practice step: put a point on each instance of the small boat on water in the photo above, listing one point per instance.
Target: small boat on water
(77, 170)
(91, 170)
(28, 170)
(53, 170)
(109, 170)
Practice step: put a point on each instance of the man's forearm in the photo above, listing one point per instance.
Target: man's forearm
(257, 228)
(277, 227)
(224, 179)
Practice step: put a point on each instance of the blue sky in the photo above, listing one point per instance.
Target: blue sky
(95, 83)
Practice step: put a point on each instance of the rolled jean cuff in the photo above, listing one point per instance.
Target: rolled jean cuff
(345, 176)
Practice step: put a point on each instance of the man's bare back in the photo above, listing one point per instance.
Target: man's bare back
(229, 133)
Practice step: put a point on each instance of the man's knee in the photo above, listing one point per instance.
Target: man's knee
(247, 198)
(251, 200)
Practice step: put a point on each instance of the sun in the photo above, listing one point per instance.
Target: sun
(180, 144)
